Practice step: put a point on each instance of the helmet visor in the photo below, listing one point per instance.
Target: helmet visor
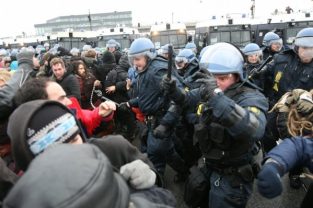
(180, 62)
(304, 42)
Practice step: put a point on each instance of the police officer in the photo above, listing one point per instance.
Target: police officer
(113, 46)
(272, 44)
(232, 119)
(291, 69)
(152, 103)
(254, 58)
(187, 65)
(192, 46)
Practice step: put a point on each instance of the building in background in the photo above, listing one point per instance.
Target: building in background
(85, 22)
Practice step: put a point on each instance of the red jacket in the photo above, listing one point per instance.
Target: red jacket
(90, 119)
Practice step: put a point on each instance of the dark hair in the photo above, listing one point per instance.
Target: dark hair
(76, 66)
(32, 89)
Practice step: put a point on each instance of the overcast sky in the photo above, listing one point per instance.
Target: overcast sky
(20, 16)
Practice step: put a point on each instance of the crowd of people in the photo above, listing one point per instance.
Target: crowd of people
(222, 118)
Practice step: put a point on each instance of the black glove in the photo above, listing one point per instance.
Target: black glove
(124, 106)
(168, 85)
(161, 132)
(170, 89)
(201, 75)
(207, 88)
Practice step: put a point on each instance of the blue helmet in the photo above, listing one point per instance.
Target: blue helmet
(190, 46)
(164, 49)
(224, 58)
(185, 56)
(74, 51)
(252, 49)
(111, 43)
(304, 37)
(270, 38)
(142, 46)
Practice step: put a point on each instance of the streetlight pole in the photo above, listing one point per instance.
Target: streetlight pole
(252, 8)
(89, 19)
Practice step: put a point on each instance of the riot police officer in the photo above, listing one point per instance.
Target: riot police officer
(254, 58)
(232, 119)
(187, 65)
(152, 103)
(290, 70)
(272, 44)
(113, 46)
(192, 46)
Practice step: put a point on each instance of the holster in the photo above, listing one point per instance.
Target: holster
(197, 187)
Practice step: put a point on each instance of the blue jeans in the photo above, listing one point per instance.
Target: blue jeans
(223, 195)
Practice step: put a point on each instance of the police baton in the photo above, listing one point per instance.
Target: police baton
(170, 62)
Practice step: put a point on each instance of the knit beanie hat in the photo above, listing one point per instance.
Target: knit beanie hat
(70, 176)
(36, 125)
(25, 56)
(108, 58)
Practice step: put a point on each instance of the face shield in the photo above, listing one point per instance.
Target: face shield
(111, 45)
(180, 62)
(276, 45)
(305, 54)
(139, 60)
(254, 57)
(304, 42)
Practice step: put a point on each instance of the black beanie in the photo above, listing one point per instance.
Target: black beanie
(36, 125)
(108, 58)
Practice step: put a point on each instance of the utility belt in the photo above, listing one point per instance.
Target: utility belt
(245, 172)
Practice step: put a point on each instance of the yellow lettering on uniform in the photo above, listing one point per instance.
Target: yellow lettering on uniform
(276, 81)
(254, 110)
(186, 89)
(200, 109)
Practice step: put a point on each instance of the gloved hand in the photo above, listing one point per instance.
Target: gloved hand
(161, 132)
(124, 106)
(201, 75)
(170, 89)
(305, 103)
(138, 174)
(207, 88)
(269, 184)
(168, 85)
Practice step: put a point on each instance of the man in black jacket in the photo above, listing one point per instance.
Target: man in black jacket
(67, 80)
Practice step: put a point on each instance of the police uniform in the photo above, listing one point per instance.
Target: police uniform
(152, 103)
(285, 74)
(230, 124)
